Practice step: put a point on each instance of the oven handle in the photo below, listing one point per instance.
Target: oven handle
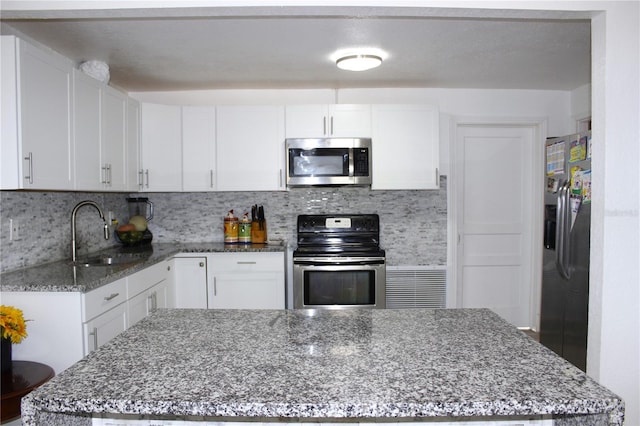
(330, 261)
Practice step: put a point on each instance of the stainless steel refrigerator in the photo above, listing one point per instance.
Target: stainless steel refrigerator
(565, 270)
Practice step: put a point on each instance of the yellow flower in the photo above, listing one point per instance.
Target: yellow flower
(12, 324)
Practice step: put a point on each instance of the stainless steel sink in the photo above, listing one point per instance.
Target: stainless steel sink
(106, 260)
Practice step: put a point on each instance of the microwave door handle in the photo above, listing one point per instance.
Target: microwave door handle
(352, 173)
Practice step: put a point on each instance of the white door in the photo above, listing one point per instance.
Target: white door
(496, 198)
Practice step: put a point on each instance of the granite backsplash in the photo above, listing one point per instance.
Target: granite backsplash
(413, 223)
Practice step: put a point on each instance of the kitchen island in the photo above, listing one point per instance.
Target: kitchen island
(309, 365)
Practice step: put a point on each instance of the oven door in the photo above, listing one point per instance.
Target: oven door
(339, 283)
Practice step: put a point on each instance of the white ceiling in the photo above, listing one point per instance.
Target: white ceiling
(276, 48)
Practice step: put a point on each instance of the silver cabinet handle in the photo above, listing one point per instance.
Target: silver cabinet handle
(146, 173)
(140, 179)
(104, 174)
(246, 263)
(94, 333)
(215, 289)
(153, 302)
(29, 159)
(437, 177)
(331, 126)
(168, 268)
(324, 125)
(211, 178)
(111, 296)
(109, 176)
(201, 264)
(280, 178)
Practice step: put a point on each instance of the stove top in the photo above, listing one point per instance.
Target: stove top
(352, 235)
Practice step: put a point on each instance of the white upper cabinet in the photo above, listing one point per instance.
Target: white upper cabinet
(99, 135)
(322, 121)
(198, 148)
(38, 152)
(133, 167)
(249, 148)
(161, 147)
(405, 147)
(86, 132)
(114, 139)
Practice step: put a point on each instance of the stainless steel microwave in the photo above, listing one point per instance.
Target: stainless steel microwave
(328, 161)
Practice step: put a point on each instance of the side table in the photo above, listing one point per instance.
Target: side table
(23, 377)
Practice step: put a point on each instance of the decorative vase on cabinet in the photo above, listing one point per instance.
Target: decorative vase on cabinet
(5, 354)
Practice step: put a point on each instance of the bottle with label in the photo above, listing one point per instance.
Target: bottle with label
(244, 230)
(230, 228)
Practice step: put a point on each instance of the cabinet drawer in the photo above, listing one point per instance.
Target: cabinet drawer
(247, 262)
(147, 278)
(104, 298)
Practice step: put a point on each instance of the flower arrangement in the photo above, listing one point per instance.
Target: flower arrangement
(12, 324)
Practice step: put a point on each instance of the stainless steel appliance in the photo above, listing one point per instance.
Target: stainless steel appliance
(565, 275)
(338, 263)
(328, 161)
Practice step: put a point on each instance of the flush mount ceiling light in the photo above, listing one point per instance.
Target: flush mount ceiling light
(358, 62)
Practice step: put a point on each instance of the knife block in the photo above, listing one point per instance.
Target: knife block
(259, 232)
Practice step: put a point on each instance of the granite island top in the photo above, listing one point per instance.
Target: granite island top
(62, 275)
(303, 365)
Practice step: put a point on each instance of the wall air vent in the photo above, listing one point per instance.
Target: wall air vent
(416, 287)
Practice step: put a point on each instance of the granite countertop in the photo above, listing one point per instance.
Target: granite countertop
(64, 276)
(353, 365)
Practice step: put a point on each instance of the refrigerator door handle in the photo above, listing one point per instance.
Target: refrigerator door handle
(563, 234)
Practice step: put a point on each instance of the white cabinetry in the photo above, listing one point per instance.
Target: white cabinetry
(338, 120)
(86, 132)
(190, 277)
(405, 147)
(114, 139)
(161, 147)
(148, 290)
(99, 135)
(133, 167)
(198, 148)
(250, 148)
(36, 145)
(104, 314)
(246, 281)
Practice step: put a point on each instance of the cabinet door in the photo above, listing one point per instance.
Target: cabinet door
(86, 132)
(247, 281)
(306, 121)
(105, 327)
(44, 97)
(198, 148)
(350, 120)
(337, 120)
(114, 134)
(10, 156)
(139, 307)
(133, 167)
(250, 148)
(262, 290)
(405, 151)
(190, 278)
(161, 150)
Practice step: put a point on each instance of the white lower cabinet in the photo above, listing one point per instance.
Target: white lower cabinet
(190, 278)
(246, 281)
(148, 290)
(105, 327)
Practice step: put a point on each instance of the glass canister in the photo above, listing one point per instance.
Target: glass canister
(230, 228)
(244, 230)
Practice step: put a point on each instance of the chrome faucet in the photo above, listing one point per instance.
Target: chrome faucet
(73, 224)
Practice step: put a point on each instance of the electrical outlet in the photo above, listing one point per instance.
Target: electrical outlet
(14, 230)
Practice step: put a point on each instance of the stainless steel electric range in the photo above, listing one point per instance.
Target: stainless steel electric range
(338, 263)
